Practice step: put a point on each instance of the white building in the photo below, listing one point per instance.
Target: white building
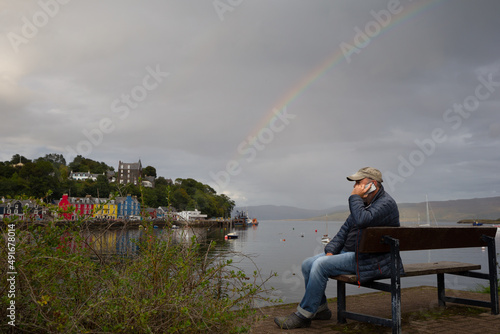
(191, 215)
(82, 176)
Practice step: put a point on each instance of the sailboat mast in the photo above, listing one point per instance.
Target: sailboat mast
(427, 207)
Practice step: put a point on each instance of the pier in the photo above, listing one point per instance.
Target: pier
(129, 223)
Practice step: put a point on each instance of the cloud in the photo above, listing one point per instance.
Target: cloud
(226, 76)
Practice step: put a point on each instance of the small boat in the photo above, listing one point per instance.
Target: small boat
(325, 238)
(231, 235)
(252, 222)
(175, 227)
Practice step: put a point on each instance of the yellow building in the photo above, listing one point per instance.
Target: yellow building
(105, 208)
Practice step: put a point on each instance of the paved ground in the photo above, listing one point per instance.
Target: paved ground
(421, 314)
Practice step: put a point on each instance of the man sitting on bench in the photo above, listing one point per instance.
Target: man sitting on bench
(369, 206)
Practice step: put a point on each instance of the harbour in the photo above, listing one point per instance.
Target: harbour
(276, 249)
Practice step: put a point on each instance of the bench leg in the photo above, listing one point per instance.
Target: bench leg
(492, 265)
(395, 284)
(441, 292)
(341, 302)
(395, 288)
(396, 307)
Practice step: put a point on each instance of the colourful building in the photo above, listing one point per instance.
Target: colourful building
(105, 208)
(73, 208)
(23, 209)
(84, 207)
(128, 206)
(66, 209)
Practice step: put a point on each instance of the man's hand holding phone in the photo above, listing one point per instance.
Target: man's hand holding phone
(370, 188)
(363, 190)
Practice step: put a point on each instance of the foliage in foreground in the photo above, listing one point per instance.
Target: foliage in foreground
(65, 286)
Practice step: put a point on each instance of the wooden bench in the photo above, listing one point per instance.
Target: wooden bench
(396, 239)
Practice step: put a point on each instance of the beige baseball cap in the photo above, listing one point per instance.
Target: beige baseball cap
(369, 172)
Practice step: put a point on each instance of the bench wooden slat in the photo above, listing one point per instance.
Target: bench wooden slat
(421, 238)
(419, 269)
(442, 267)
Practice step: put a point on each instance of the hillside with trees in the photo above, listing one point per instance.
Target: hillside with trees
(48, 177)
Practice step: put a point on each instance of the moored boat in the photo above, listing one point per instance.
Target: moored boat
(240, 219)
(325, 238)
(231, 235)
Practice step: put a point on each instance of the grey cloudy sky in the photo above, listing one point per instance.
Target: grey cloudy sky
(270, 102)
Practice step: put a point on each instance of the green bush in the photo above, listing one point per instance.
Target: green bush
(64, 285)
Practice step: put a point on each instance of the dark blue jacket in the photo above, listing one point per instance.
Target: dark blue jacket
(382, 211)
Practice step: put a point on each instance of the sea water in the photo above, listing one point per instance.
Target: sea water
(279, 247)
(275, 251)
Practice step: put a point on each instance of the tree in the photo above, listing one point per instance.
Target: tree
(58, 164)
(81, 164)
(180, 199)
(13, 186)
(6, 170)
(225, 204)
(56, 159)
(103, 186)
(16, 158)
(149, 171)
(40, 176)
(161, 181)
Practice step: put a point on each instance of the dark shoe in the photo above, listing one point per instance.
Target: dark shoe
(292, 321)
(323, 315)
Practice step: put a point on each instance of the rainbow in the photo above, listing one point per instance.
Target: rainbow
(410, 10)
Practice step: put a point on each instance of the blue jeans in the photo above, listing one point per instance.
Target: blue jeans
(316, 271)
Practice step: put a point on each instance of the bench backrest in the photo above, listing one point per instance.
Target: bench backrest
(420, 238)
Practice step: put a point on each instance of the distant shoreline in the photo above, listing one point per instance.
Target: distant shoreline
(473, 209)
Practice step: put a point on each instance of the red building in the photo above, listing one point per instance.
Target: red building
(84, 207)
(66, 208)
(74, 207)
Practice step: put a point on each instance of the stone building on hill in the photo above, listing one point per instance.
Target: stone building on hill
(129, 172)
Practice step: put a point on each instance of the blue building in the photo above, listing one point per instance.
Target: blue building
(128, 206)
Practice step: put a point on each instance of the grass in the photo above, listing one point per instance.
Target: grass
(65, 285)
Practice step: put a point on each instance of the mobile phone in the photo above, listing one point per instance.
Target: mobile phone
(372, 188)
